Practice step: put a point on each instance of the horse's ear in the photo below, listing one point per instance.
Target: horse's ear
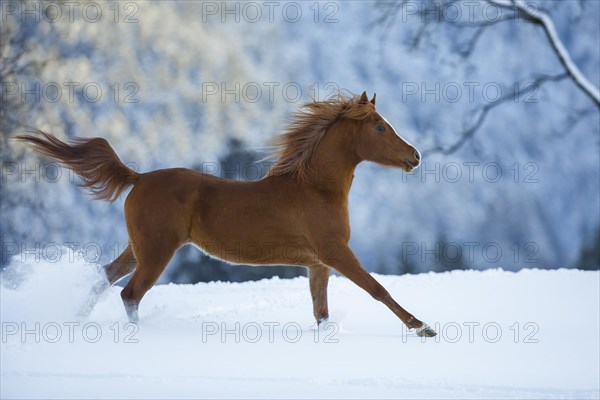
(373, 99)
(364, 98)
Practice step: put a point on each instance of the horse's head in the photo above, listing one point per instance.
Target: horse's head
(379, 142)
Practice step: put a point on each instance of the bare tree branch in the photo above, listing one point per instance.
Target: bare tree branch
(573, 118)
(466, 51)
(542, 18)
(517, 9)
(536, 16)
(482, 113)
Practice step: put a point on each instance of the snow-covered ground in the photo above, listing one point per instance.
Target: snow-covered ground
(531, 334)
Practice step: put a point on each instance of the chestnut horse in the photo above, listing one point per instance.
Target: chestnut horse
(296, 215)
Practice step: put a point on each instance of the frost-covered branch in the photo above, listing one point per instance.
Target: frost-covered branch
(542, 18)
(481, 114)
(519, 9)
(431, 14)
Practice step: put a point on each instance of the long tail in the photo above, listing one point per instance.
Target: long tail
(99, 167)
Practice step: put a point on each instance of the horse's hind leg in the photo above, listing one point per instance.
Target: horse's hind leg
(113, 272)
(121, 267)
(318, 276)
(152, 260)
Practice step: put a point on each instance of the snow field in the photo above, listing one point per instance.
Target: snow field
(531, 334)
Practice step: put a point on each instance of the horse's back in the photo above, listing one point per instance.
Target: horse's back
(245, 211)
(162, 203)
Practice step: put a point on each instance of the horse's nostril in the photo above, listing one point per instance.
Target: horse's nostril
(417, 155)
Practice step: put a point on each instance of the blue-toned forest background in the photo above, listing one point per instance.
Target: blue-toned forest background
(510, 177)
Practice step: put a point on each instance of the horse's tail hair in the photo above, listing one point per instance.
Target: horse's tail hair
(99, 167)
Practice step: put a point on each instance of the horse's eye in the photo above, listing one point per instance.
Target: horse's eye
(380, 128)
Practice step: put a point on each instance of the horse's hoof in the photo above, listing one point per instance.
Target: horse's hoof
(425, 331)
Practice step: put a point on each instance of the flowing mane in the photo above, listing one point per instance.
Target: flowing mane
(295, 147)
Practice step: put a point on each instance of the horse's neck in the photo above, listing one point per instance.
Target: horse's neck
(332, 166)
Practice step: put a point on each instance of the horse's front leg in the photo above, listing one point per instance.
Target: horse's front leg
(318, 276)
(344, 261)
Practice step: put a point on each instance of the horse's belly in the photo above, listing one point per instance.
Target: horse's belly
(251, 239)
